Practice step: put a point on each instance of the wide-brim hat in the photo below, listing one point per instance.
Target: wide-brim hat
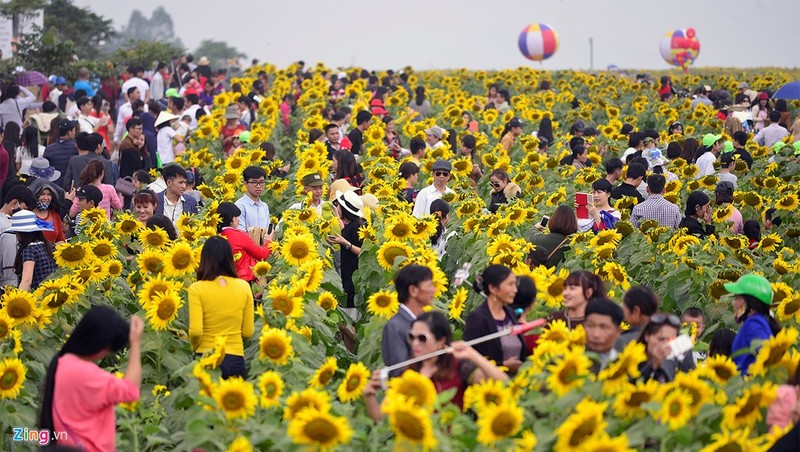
(340, 186)
(232, 113)
(351, 202)
(40, 167)
(163, 117)
(203, 61)
(27, 221)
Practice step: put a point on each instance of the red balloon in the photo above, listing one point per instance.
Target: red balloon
(690, 32)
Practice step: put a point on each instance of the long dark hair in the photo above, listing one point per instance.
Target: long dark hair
(419, 95)
(12, 135)
(347, 165)
(753, 304)
(216, 260)
(164, 223)
(227, 211)
(55, 134)
(439, 208)
(30, 139)
(91, 172)
(546, 130)
(26, 238)
(100, 328)
(587, 280)
(440, 328)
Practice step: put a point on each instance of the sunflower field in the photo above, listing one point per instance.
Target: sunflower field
(305, 386)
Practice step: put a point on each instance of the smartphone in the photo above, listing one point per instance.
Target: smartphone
(544, 221)
(270, 228)
(582, 200)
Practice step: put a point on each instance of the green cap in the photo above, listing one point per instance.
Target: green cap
(778, 146)
(753, 285)
(172, 92)
(728, 146)
(244, 137)
(709, 139)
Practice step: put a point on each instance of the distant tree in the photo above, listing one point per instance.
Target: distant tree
(44, 52)
(19, 10)
(217, 52)
(145, 53)
(158, 28)
(87, 31)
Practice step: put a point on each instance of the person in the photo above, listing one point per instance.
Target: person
(165, 224)
(499, 285)
(29, 150)
(727, 165)
(93, 175)
(751, 307)
(721, 342)
(157, 81)
(752, 230)
(601, 215)
(440, 209)
(723, 194)
(136, 79)
(555, 244)
(638, 304)
(770, 220)
(614, 170)
(346, 167)
(656, 207)
(14, 100)
(760, 111)
(415, 289)
(247, 252)
(133, 155)
(90, 148)
(701, 97)
(712, 145)
(656, 336)
(18, 197)
(772, 133)
(603, 327)
(698, 208)
(468, 145)
(420, 103)
(441, 175)
(255, 212)
(503, 189)
(350, 209)
(739, 142)
(410, 172)
(220, 304)
(430, 332)
(144, 203)
(87, 197)
(48, 208)
(356, 136)
(332, 138)
(232, 128)
(171, 202)
(580, 288)
(86, 122)
(125, 111)
(59, 153)
(416, 146)
(34, 260)
(392, 138)
(79, 396)
(635, 145)
(165, 136)
(433, 137)
(696, 316)
(512, 130)
(579, 157)
(313, 184)
(785, 408)
(633, 178)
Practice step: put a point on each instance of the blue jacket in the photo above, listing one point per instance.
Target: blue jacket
(755, 326)
(189, 204)
(58, 154)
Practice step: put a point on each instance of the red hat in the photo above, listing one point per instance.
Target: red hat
(345, 144)
(762, 96)
(379, 110)
(376, 102)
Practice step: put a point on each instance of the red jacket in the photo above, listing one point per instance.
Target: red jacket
(245, 252)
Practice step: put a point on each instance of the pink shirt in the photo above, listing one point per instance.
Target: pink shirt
(779, 413)
(83, 403)
(738, 223)
(110, 200)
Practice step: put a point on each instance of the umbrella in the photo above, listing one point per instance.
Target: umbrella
(31, 78)
(790, 90)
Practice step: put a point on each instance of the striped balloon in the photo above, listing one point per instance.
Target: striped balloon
(538, 42)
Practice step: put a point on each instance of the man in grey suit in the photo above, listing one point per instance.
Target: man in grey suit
(415, 289)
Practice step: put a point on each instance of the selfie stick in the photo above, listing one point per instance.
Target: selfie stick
(513, 330)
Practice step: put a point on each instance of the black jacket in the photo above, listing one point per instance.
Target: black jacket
(695, 228)
(58, 154)
(480, 323)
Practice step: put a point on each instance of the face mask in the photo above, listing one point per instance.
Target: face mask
(42, 205)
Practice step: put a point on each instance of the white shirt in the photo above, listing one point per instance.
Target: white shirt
(55, 93)
(426, 197)
(173, 211)
(125, 110)
(254, 213)
(192, 112)
(164, 141)
(299, 206)
(706, 164)
(87, 123)
(137, 82)
(585, 225)
(408, 310)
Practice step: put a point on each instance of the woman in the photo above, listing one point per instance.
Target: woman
(760, 111)
(29, 150)
(546, 130)
(133, 158)
(751, 306)
(656, 336)
(314, 135)
(579, 157)
(34, 260)
(345, 167)
(430, 332)
(144, 205)
(470, 124)
(502, 189)
(164, 223)
(165, 135)
(601, 215)
(349, 207)
(499, 285)
(12, 105)
(690, 147)
(441, 210)
(241, 242)
(580, 288)
(392, 138)
(785, 409)
(248, 112)
(410, 172)
(12, 140)
(220, 304)
(420, 104)
(468, 145)
(93, 175)
(723, 194)
(512, 130)
(698, 208)
(503, 101)
(100, 110)
(47, 209)
(79, 396)
(676, 128)
(555, 243)
(752, 230)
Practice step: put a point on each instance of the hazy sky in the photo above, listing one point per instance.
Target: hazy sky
(480, 34)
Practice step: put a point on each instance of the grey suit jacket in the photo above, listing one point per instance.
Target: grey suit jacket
(394, 346)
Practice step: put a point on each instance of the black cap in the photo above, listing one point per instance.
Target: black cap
(90, 193)
(65, 125)
(626, 129)
(515, 122)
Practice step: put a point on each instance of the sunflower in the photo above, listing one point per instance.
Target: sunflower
(163, 309)
(729, 441)
(319, 429)
(154, 285)
(261, 268)
(153, 238)
(484, 394)
(675, 409)
(628, 403)
(586, 422)
(773, 350)
(240, 444)
(270, 386)
(554, 293)
(569, 372)
(723, 213)
(717, 289)
(746, 411)
(12, 377)
(235, 397)
(355, 380)
(285, 302)
(499, 422)
(410, 423)
(6, 326)
(456, 306)
(615, 273)
(312, 275)
(608, 236)
(324, 374)
(181, 259)
(275, 344)
(308, 399)
(72, 255)
(126, 224)
(616, 375)
(719, 368)
(327, 301)
(383, 303)
(699, 391)
(114, 268)
(297, 249)
(103, 249)
(415, 388)
(788, 202)
(20, 306)
(770, 242)
(789, 308)
(390, 251)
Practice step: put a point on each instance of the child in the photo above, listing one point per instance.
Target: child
(141, 179)
(182, 132)
(727, 165)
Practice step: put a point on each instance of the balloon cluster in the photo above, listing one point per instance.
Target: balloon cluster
(680, 47)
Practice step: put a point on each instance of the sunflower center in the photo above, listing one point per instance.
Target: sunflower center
(353, 383)
(232, 401)
(298, 250)
(321, 430)
(556, 288)
(776, 353)
(73, 253)
(8, 380)
(18, 308)
(102, 250)
(270, 389)
(750, 405)
(166, 309)
(325, 376)
(4, 329)
(503, 424)
(638, 398)
(409, 425)
(181, 259)
(273, 350)
(583, 431)
(282, 304)
(675, 408)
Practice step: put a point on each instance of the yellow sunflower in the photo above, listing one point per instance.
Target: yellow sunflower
(297, 249)
(499, 422)
(719, 368)
(789, 308)
(74, 254)
(276, 345)
(415, 388)
(770, 242)
(747, 410)
(126, 224)
(151, 261)
(12, 377)
(736, 440)
(319, 429)
(153, 238)
(391, 250)
(163, 309)
(355, 380)
(20, 306)
(586, 422)
(261, 268)
(675, 409)
(327, 301)
(154, 285)
(324, 374)
(456, 306)
(383, 304)
(240, 444)
(312, 271)
(182, 259)
(308, 399)
(235, 397)
(270, 386)
(773, 350)
(283, 301)
(410, 424)
(789, 202)
(484, 394)
(103, 249)
(568, 372)
(628, 403)
(616, 375)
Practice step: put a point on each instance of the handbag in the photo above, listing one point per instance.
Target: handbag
(125, 186)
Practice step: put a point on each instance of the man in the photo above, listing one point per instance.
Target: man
(17, 197)
(441, 175)
(192, 104)
(136, 80)
(125, 111)
(727, 165)
(312, 183)
(696, 316)
(134, 129)
(87, 123)
(633, 178)
(656, 207)
(433, 137)
(90, 147)
(603, 327)
(705, 163)
(88, 197)
(739, 142)
(171, 202)
(415, 289)
(176, 106)
(58, 154)
(59, 88)
(83, 82)
(417, 148)
(773, 133)
(157, 82)
(332, 135)
(255, 212)
(639, 303)
(613, 170)
(356, 136)
(701, 97)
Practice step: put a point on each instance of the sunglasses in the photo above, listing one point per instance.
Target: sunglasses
(495, 184)
(421, 338)
(661, 318)
(441, 173)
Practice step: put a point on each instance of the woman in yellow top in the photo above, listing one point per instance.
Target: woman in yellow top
(510, 133)
(220, 304)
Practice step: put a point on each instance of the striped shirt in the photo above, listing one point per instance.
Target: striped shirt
(659, 209)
